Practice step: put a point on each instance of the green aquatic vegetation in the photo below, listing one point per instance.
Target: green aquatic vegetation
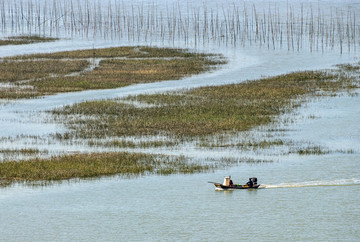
(119, 73)
(122, 52)
(318, 150)
(16, 93)
(132, 144)
(232, 160)
(88, 53)
(312, 150)
(21, 40)
(95, 165)
(45, 74)
(198, 112)
(244, 144)
(23, 77)
(35, 69)
(348, 151)
(349, 67)
(24, 151)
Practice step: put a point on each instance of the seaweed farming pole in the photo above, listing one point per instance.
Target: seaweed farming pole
(294, 28)
(348, 26)
(354, 32)
(340, 34)
(3, 16)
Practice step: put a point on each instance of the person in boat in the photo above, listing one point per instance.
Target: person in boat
(231, 182)
(250, 183)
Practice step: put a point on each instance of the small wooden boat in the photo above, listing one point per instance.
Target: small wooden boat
(235, 186)
(228, 184)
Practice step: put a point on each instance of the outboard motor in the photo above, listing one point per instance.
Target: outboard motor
(254, 179)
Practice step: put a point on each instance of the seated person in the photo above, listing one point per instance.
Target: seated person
(250, 183)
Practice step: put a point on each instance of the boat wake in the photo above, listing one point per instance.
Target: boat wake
(341, 182)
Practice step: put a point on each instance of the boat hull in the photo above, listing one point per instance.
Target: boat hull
(235, 186)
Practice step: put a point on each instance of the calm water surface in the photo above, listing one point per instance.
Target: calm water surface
(307, 199)
(311, 198)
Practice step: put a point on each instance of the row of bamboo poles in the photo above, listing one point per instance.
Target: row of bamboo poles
(270, 27)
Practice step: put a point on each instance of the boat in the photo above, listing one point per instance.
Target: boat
(229, 185)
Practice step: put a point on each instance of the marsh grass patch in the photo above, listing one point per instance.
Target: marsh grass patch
(70, 71)
(35, 69)
(198, 112)
(25, 39)
(96, 165)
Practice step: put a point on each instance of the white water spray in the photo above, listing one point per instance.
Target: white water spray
(341, 182)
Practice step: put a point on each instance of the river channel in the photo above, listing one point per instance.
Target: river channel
(302, 197)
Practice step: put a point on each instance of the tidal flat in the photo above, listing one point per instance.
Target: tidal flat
(36, 75)
(201, 115)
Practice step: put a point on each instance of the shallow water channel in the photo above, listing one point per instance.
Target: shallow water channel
(303, 197)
